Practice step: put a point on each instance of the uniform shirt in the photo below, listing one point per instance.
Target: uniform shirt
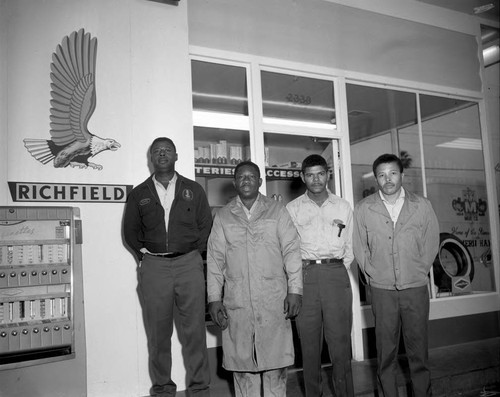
(318, 227)
(166, 196)
(394, 209)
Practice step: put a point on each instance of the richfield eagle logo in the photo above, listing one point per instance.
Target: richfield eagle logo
(73, 103)
(468, 206)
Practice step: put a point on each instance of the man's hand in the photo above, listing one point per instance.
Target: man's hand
(218, 313)
(292, 305)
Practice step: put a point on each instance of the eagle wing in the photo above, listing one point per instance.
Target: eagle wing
(73, 88)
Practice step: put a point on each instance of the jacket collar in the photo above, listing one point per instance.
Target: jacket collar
(261, 205)
(151, 185)
(376, 204)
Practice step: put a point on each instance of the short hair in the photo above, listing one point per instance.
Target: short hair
(161, 139)
(387, 158)
(314, 160)
(249, 164)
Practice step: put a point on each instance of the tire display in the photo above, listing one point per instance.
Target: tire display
(453, 260)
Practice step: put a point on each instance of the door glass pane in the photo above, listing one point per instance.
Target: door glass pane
(290, 97)
(456, 185)
(284, 154)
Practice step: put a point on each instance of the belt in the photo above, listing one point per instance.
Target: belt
(168, 255)
(335, 261)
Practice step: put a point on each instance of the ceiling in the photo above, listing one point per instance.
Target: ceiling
(486, 10)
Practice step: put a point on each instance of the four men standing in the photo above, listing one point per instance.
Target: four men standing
(258, 266)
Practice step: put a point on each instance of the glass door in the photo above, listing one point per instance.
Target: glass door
(298, 120)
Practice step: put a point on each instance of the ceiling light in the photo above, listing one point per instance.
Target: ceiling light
(220, 120)
(483, 8)
(298, 123)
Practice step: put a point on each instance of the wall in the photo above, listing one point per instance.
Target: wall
(323, 33)
(143, 90)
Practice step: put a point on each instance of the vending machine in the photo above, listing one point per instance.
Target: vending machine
(42, 328)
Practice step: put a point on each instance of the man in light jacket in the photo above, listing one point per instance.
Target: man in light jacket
(254, 286)
(396, 238)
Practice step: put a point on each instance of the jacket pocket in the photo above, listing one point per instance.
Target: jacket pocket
(266, 232)
(234, 293)
(151, 214)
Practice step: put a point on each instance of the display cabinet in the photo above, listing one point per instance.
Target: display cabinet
(217, 151)
(284, 156)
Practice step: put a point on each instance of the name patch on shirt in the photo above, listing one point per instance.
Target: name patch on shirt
(144, 201)
(187, 194)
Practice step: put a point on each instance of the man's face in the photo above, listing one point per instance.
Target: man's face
(389, 179)
(315, 179)
(163, 156)
(247, 182)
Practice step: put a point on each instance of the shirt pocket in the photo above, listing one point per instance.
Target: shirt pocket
(304, 221)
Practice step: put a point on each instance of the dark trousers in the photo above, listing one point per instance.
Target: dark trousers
(164, 283)
(406, 310)
(326, 311)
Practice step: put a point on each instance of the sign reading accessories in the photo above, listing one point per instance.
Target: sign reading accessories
(62, 192)
(228, 171)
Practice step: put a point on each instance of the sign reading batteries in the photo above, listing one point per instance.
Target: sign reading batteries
(62, 192)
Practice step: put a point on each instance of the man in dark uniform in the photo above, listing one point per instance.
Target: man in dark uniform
(167, 222)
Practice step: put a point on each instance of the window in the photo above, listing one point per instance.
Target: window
(456, 185)
(443, 160)
(221, 127)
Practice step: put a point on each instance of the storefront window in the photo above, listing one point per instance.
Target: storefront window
(221, 127)
(456, 185)
(452, 176)
(381, 121)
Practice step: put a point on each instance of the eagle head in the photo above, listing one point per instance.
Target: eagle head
(97, 145)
